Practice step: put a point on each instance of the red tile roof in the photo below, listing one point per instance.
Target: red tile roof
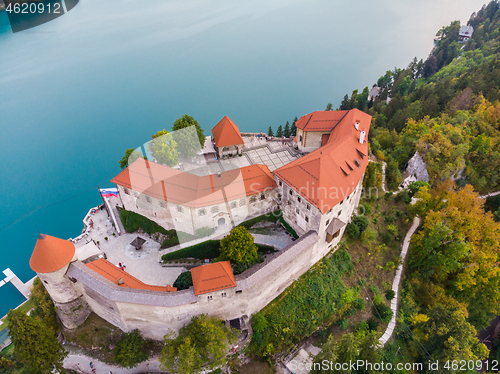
(321, 120)
(226, 133)
(114, 274)
(212, 277)
(329, 174)
(51, 254)
(187, 189)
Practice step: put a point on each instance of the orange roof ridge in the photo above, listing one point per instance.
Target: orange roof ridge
(226, 133)
(115, 274)
(51, 254)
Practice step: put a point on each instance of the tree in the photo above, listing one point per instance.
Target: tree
(430, 66)
(204, 342)
(270, 131)
(35, 345)
(279, 132)
(329, 107)
(344, 105)
(238, 247)
(186, 121)
(164, 148)
(446, 334)
(293, 130)
(130, 156)
(129, 351)
(286, 131)
(183, 281)
(43, 306)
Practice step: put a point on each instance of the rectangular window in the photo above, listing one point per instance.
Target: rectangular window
(201, 212)
(307, 219)
(291, 193)
(297, 210)
(280, 183)
(299, 199)
(148, 199)
(209, 297)
(224, 294)
(162, 203)
(180, 209)
(262, 197)
(233, 205)
(253, 199)
(239, 291)
(126, 191)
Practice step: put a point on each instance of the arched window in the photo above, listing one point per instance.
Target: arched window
(215, 209)
(243, 202)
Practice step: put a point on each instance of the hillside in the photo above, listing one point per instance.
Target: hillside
(446, 107)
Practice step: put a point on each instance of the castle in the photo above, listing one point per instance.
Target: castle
(317, 193)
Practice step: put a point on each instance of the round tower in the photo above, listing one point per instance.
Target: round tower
(50, 260)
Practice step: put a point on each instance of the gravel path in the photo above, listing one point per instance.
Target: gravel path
(81, 364)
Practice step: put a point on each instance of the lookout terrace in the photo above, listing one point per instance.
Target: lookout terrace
(314, 180)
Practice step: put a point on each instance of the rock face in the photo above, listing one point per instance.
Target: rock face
(417, 168)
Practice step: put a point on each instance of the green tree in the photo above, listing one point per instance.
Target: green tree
(204, 342)
(270, 131)
(238, 247)
(183, 281)
(345, 104)
(164, 148)
(279, 132)
(186, 121)
(43, 306)
(293, 130)
(329, 107)
(392, 175)
(129, 351)
(286, 131)
(130, 156)
(35, 344)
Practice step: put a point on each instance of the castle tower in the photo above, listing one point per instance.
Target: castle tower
(50, 260)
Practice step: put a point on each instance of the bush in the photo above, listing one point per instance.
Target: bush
(359, 303)
(365, 209)
(133, 221)
(343, 323)
(390, 294)
(414, 187)
(353, 231)
(372, 324)
(208, 249)
(362, 222)
(270, 217)
(382, 312)
(183, 281)
(288, 228)
(404, 196)
(129, 351)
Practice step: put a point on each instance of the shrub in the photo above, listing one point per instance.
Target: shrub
(372, 324)
(288, 228)
(390, 266)
(378, 299)
(208, 249)
(133, 221)
(359, 303)
(183, 281)
(129, 351)
(414, 187)
(362, 222)
(390, 294)
(365, 209)
(343, 323)
(270, 217)
(404, 196)
(382, 312)
(353, 231)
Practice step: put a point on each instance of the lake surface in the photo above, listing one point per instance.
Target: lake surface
(79, 90)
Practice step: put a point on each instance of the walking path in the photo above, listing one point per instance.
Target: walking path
(489, 195)
(81, 364)
(397, 279)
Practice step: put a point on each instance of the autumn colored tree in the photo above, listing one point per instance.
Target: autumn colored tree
(35, 344)
(164, 148)
(458, 247)
(203, 343)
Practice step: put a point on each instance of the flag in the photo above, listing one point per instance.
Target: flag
(108, 192)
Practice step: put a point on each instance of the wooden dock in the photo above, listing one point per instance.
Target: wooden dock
(24, 288)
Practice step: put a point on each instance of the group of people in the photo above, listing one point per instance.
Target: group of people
(121, 265)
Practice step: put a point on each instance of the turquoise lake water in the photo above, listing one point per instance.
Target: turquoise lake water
(77, 91)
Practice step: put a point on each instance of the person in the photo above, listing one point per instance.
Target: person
(120, 265)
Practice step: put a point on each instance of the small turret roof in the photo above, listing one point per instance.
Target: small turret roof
(226, 133)
(51, 254)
